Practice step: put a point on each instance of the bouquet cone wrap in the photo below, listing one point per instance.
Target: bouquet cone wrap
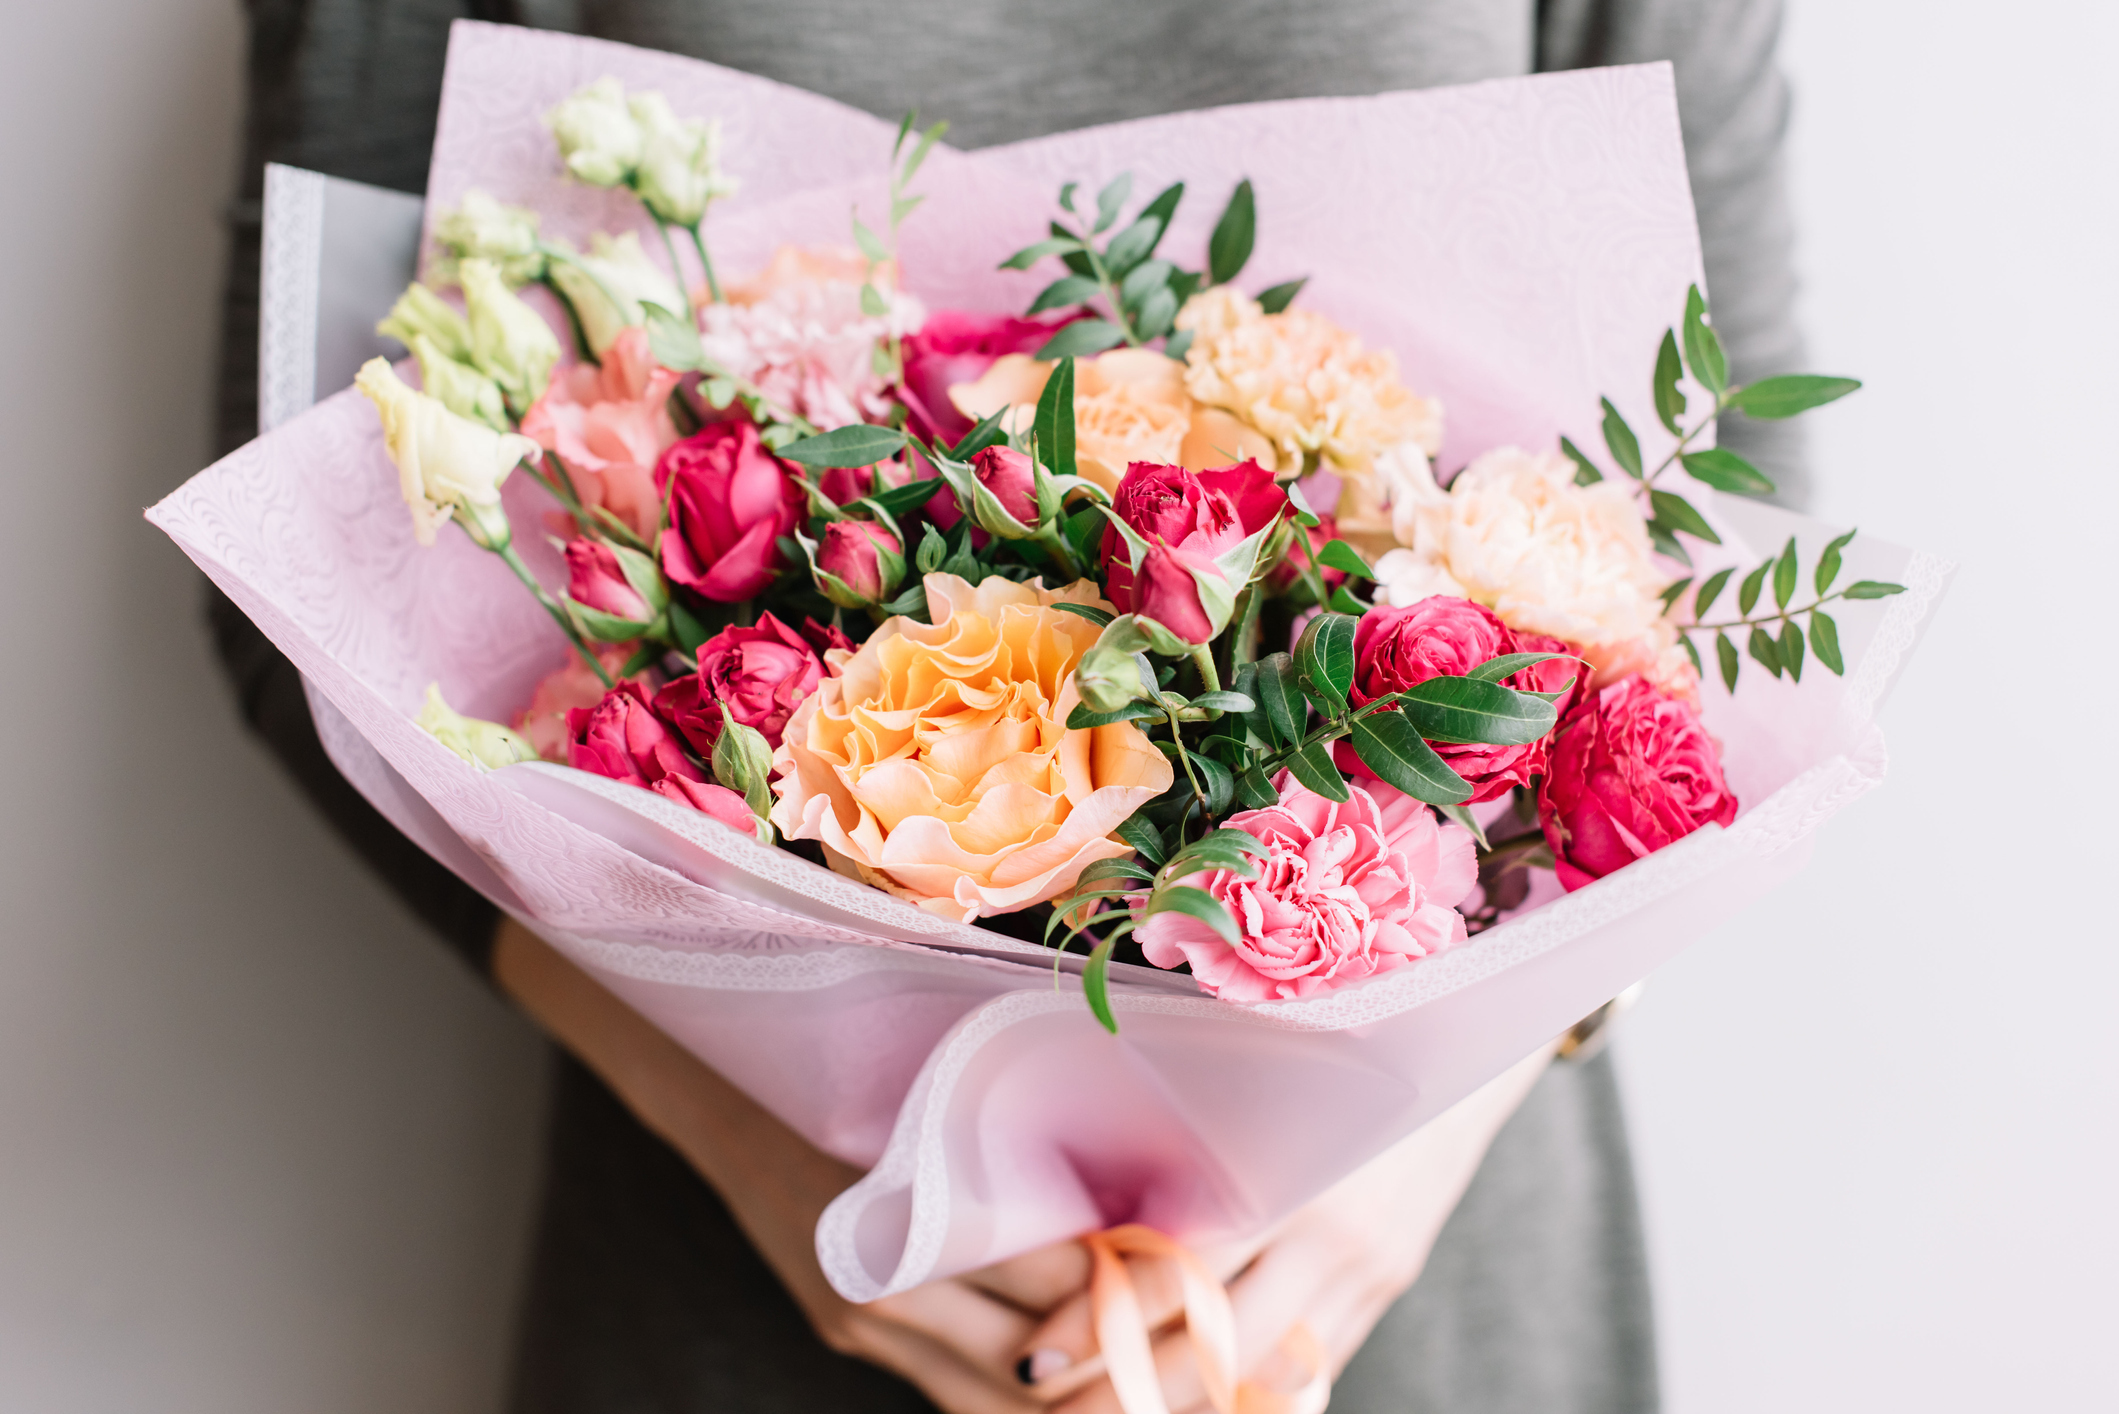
(1519, 245)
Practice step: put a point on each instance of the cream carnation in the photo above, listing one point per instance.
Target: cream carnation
(939, 766)
(1515, 533)
(1308, 385)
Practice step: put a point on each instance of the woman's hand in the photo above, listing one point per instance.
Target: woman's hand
(1337, 1265)
(958, 1340)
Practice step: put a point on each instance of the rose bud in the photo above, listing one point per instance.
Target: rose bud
(846, 483)
(864, 557)
(1178, 507)
(1108, 679)
(622, 738)
(1441, 635)
(1011, 477)
(761, 674)
(730, 502)
(595, 580)
(1167, 592)
(1632, 770)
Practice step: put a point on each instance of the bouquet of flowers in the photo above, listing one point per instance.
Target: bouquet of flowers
(892, 640)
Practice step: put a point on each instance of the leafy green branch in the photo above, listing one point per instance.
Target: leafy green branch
(1782, 651)
(889, 356)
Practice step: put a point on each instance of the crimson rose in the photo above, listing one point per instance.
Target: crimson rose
(1173, 505)
(760, 674)
(955, 347)
(730, 501)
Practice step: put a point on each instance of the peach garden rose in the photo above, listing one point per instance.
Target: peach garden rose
(938, 764)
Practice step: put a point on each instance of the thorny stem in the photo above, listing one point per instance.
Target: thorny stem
(1203, 657)
(1184, 759)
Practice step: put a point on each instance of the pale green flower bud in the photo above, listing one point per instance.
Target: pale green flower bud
(606, 287)
(598, 139)
(462, 389)
(447, 465)
(487, 744)
(484, 229)
(680, 162)
(510, 342)
(1108, 678)
(421, 311)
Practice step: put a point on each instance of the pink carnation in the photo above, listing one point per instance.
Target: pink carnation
(609, 424)
(1346, 891)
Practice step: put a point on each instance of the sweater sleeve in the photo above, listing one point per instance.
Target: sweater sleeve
(1733, 102)
(349, 88)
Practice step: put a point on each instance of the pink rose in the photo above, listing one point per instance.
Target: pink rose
(1009, 475)
(1345, 892)
(730, 501)
(1166, 591)
(849, 551)
(955, 347)
(846, 483)
(760, 674)
(1182, 509)
(544, 721)
(709, 799)
(595, 579)
(622, 738)
(1632, 770)
(608, 424)
(1396, 648)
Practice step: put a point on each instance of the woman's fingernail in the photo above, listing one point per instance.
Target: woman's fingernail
(1041, 1365)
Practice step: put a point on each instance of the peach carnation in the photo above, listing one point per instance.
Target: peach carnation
(609, 423)
(1309, 386)
(938, 764)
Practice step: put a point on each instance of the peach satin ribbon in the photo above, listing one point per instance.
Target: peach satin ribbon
(1122, 1332)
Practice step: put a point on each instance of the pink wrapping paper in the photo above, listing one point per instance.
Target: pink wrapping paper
(1520, 245)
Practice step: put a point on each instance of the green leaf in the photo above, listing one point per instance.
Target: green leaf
(605, 628)
(1076, 260)
(1096, 984)
(1726, 471)
(1053, 424)
(1283, 707)
(860, 444)
(1229, 248)
(1165, 204)
(672, 338)
(1388, 745)
(1790, 394)
(1457, 709)
(1131, 246)
(870, 243)
(1277, 299)
(920, 151)
(1094, 615)
(1586, 473)
(1669, 402)
(1703, 348)
(1342, 556)
(1625, 447)
(1872, 589)
(1254, 717)
(1725, 652)
(1677, 513)
(1029, 255)
(1345, 603)
(1111, 198)
(872, 302)
(1084, 336)
(1215, 780)
(912, 115)
(1238, 842)
(1140, 832)
(1710, 591)
(1224, 701)
(1312, 766)
(1194, 903)
(686, 626)
(1747, 592)
(1324, 656)
(1792, 649)
(1824, 641)
(1828, 563)
(1157, 312)
(1142, 280)
(1081, 718)
(899, 500)
(1666, 543)
(1685, 641)
(1671, 593)
(1462, 815)
(1064, 293)
(1784, 571)
(1766, 650)
(1180, 343)
(1067, 196)
(1508, 665)
(1114, 869)
(1253, 790)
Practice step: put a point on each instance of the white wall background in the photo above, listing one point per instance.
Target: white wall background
(264, 1148)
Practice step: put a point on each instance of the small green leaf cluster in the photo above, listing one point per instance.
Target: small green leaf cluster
(888, 356)
(1694, 347)
(1775, 639)
(1129, 294)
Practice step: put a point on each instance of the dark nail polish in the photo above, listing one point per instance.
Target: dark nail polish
(1022, 1371)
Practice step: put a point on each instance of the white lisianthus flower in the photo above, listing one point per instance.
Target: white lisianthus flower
(482, 228)
(445, 462)
(599, 140)
(420, 311)
(608, 286)
(461, 388)
(679, 171)
(487, 744)
(510, 342)
(1516, 534)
